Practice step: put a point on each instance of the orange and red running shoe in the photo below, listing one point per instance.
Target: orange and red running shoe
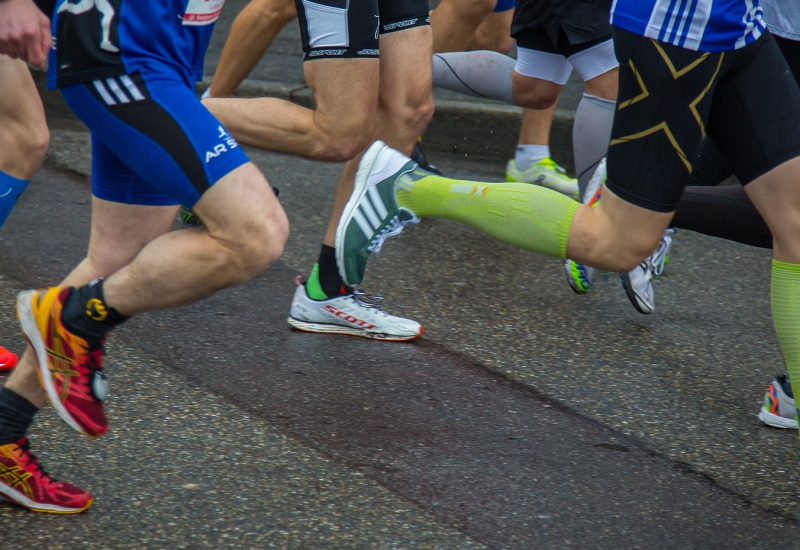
(7, 360)
(70, 368)
(23, 481)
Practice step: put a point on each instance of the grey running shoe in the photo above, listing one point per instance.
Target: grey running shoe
(356, 314)
(372, 214)
(638, 283)
(779, 409)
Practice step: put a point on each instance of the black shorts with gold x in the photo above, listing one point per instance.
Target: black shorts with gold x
(746, 101)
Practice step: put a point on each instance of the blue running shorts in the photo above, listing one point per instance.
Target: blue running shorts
(153, 142)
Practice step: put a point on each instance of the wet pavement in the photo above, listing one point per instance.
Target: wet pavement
(525, 417)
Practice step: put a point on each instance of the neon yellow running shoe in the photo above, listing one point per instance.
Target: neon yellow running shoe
(546, 173)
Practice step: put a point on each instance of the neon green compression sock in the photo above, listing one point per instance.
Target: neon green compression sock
(785, 300)
(521, 214)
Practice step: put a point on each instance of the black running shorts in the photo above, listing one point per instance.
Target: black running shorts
(669, 97)
(331, 29)
(560, 26)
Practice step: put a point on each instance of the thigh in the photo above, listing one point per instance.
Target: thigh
(20, 106)
(755, 116)
(660, 119)
(153, 131)
(338, 28)
(791, 51)
(406, 74)
(541, 64)
(24, 134)
(396, 15)
(119, 232)
(494, 32)
(345, 94)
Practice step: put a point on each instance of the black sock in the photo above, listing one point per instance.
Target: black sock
(329, 278)
(86, 313)
(16, 416)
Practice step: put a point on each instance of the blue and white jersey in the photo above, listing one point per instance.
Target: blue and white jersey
(700, 25)
(105, 38)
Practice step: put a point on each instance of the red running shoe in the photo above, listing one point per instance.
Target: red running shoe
(7, 359)
(23, 481)
(70, 369)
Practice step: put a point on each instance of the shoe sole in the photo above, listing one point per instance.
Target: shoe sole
(640, 306)
(776, 421)
(321, 328)
(16, 498)
(34, 338)
(359, 189)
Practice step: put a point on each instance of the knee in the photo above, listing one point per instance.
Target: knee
(273, 232)
(345, 142)
(534, 93)
(261, 245)
(534, 98)
(604, 85)
(33, 144)
(411, 115)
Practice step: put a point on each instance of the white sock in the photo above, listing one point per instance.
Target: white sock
(528, 155)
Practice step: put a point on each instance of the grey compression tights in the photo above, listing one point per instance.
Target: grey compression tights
(484, 74)
(591, 133)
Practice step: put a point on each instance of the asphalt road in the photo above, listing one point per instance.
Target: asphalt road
(526, 416)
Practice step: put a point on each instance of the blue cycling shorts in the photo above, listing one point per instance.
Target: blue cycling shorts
(153, 141)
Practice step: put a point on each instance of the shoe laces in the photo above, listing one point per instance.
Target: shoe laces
(24, 447)
(656, 262)
(549, 163)
(372, 301)
(394, 227)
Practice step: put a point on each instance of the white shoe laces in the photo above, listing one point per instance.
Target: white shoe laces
(367, 300)
(658, 259)
(394, 227)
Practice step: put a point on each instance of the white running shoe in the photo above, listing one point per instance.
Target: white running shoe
(356, 314)
(779, 409)
(638, 283)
